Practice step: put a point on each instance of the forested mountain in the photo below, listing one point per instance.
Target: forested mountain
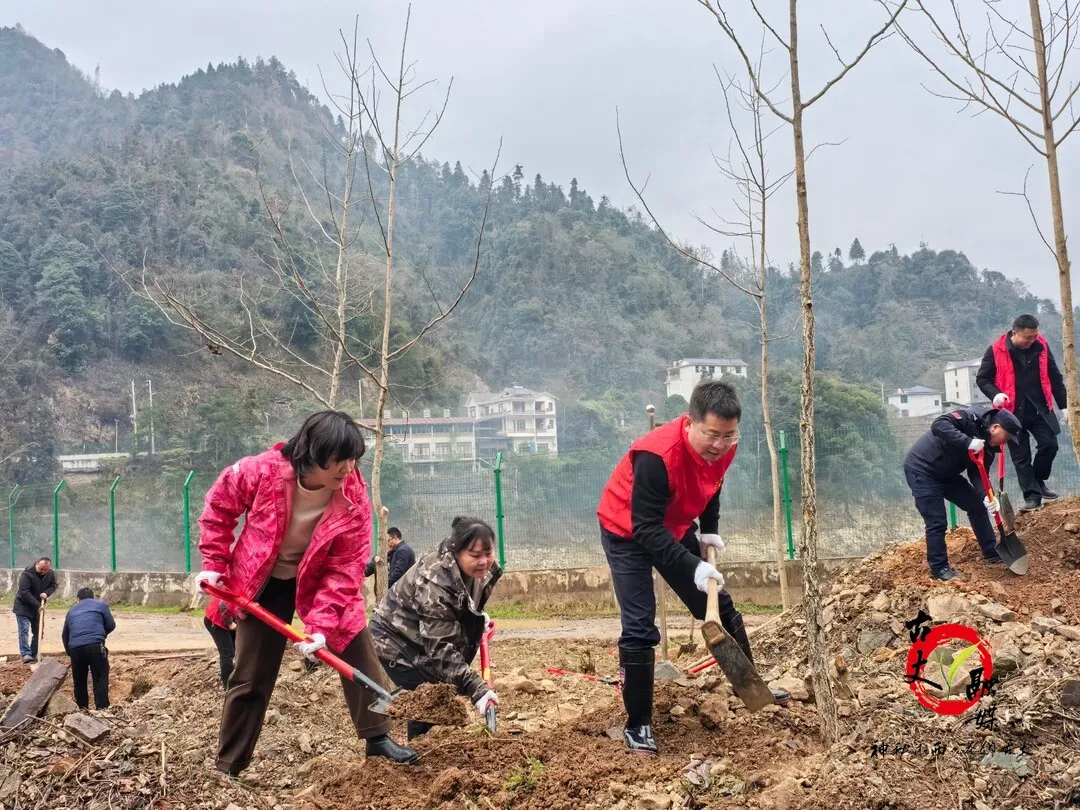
(573, 295)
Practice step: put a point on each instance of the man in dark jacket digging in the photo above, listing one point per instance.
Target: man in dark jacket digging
(1018, 373)
(86, 627)
(934, 467)
(671, 478)
(399, 558)
(37, 583)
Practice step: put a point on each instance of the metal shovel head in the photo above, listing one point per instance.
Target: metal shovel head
(745, 680)
(489, 716)
(1008, 515)
(1012, 551)
(380, 705)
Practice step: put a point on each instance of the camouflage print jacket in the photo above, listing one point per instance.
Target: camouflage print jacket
(428, 623)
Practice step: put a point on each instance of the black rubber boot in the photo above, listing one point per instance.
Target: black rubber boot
(383, 746)
(737, 630)
(946, 574)
(636, 675)
(1047, 493)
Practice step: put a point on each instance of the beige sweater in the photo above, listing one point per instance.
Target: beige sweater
(307, 507)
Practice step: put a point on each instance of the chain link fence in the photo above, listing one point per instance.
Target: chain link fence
(547, 518)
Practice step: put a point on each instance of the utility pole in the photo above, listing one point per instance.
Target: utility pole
(116, 436)
(150, 389)
(134, 422)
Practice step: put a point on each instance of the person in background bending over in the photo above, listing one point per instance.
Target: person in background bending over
(399, 558)
(86, 627)
(1018, 373)
(305, 543)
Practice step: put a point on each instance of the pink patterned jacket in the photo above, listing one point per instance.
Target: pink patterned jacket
(330, 578)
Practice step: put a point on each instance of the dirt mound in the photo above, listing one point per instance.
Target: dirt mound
(436, 703)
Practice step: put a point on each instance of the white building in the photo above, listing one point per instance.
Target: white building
(916, 401)
(514, 420)
(430, 440)
(683, 375)
(960, 384)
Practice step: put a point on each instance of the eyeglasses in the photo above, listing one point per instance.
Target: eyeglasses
(713, 439)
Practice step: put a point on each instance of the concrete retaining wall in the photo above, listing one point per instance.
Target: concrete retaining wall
(757, 582)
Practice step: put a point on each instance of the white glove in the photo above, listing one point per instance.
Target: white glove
(489, 697)
(487, 623)
(44, 597)
(714, 540)
(309, 648)
(976, 445)
(992, 507)
(210, 577)
(1001, 400)
(1064, 418)
(703, 573)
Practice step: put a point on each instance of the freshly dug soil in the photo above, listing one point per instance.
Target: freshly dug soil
(436, 703)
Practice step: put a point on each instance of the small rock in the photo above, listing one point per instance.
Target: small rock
(295, 666)
(272, 717)
(677, 711)
(1069, 632)
(827, 615)
(10, 782)
(844, 710)
(667, 671)
(1070, 696)
(945, 605)
(233, 806)
(568, 712)
(713, 712)
(87, 728)
(793, 686)
(999, 613)
(305, 743)
(880, 602)
(883, 654)
(548, 685)
(617, 789)
(1055, 606)
(59, 704)
(980, 784)
(654, 801)
(981, 805)
(870, 640)
(1044, 625)
(997, 589)
(519, 683)
(1007, 762)
(1072, 528)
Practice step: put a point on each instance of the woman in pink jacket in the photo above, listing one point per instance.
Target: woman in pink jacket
(303, 548)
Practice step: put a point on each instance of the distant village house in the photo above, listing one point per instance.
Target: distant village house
(683, 375)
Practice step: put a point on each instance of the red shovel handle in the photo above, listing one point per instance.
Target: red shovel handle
(978, 459)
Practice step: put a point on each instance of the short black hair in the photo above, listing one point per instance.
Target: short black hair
(1022, 322)
(715, 397)
(85, 593)
(324, 437)
(394, 531)
(43, 559)
(464, 531)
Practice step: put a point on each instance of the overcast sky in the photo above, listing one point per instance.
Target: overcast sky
(547, 78)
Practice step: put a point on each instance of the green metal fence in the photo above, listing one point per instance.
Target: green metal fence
(543, 508)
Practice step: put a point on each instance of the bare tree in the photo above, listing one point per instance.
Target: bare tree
(330, 277)
(1016, 70)
(792, 115)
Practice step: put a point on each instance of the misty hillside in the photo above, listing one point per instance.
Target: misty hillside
(573, 295)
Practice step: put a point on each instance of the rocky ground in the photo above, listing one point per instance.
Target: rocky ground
(554, 747)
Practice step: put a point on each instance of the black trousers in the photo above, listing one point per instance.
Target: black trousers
(930, 495)
(408, 678)
(93, 660)
(1029, 472)
(225, 641)
(631, 574)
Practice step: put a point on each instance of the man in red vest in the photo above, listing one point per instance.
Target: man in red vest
(670, 478)
(1018, 373)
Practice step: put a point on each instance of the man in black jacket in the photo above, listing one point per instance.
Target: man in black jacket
(934, 466)
(37, 583)
(86, 627)
(1018, 373)
(399, 559)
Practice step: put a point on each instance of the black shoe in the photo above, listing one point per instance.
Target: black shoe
(1047, 493)
(945, 574)
(1031, 504)
(781, 696)
(993, 559)
(383, 746)
(640, 740)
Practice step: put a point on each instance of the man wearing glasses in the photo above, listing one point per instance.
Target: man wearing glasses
(670, 478)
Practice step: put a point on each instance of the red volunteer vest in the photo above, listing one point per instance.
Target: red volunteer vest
(1005, 378)
(692, 481)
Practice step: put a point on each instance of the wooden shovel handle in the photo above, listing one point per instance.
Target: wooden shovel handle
(712, 603)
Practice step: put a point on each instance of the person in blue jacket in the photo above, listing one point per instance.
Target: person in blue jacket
(934, 467)
(85, 628)
(399, 559)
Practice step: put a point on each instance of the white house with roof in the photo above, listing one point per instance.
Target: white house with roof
(514, 420)
(917, 401)
(960, 384)
(683, 375)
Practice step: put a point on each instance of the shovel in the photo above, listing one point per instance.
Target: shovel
(1009, 547)
(485, 673)
(744, 679)
(1008, 516)
(41, 628)
(383, 698)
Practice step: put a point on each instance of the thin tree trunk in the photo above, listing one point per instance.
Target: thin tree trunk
(774, 465)
(815, 632)
(1061, 250)
(341, 278)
